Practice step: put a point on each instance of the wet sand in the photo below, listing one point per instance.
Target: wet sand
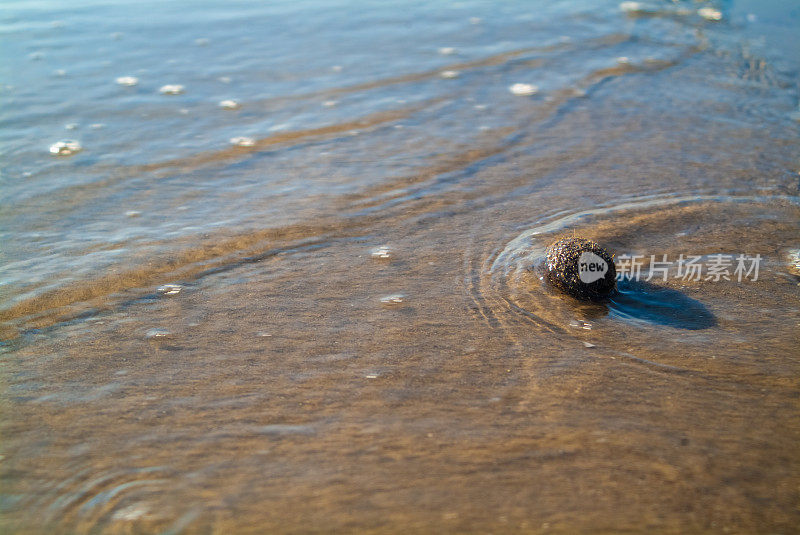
(301, 382)
(288, 398)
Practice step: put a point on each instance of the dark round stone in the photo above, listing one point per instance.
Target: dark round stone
(581, 268)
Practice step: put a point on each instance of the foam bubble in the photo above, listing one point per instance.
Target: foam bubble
(128, 81)
(447, 50)
(630, 7)
(383, 252)
(449, 74)
(394, 299)
(130, 513)
(242, 141)
(709, 13)
(229, 104)
(169, 289)
(523, 90)
(171, 89)
(157, 333)
(794, 260)
(65, 148)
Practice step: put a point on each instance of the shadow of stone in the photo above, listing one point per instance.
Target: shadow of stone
(639, 301)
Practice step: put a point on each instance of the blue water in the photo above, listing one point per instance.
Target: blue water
(292, 66)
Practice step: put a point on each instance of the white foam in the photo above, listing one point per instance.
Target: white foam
(170, 289)
(630, 7)
(709, 13)
(229, 104)
(523, 90)
(172, 89)
(129, 81)
(65, 148)
(383, 252)
(242, 141)
(394, 299)
(158, 333)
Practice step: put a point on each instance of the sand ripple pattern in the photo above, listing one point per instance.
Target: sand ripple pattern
(507, 292)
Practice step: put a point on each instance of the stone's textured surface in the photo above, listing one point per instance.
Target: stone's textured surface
(580, 268)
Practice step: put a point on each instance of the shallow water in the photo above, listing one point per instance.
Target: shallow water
(319, 309)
